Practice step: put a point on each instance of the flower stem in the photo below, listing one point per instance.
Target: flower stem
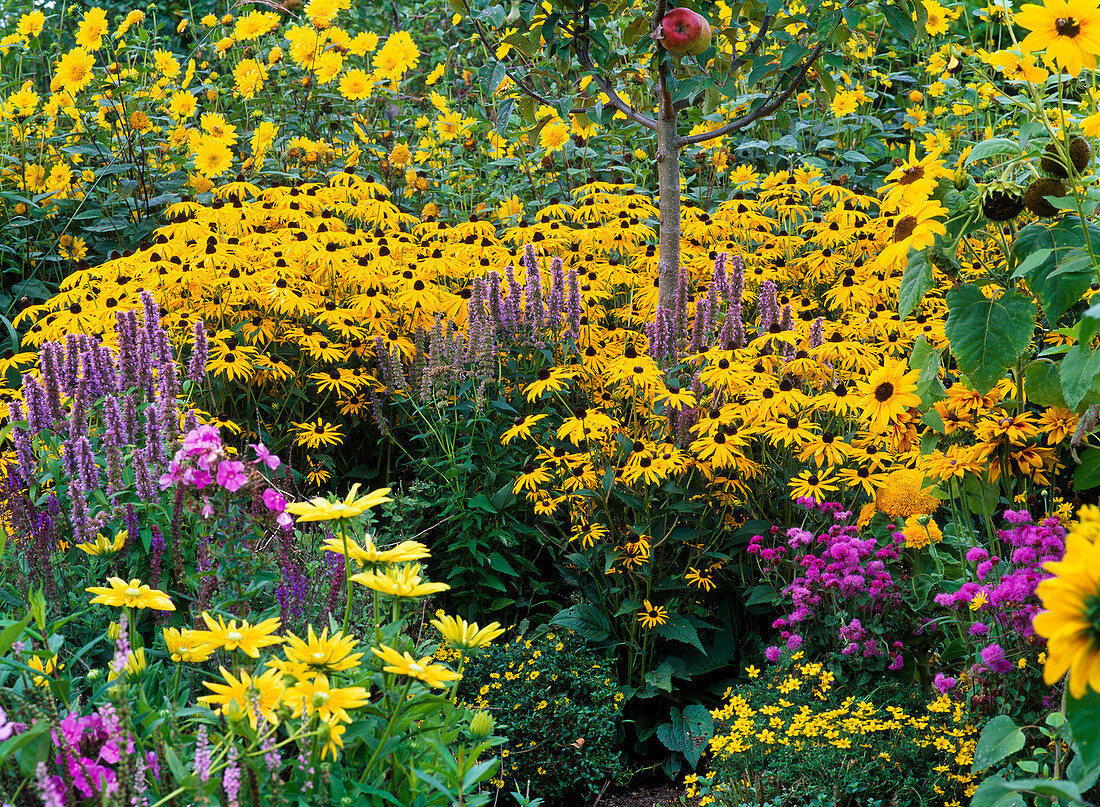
(347, 576)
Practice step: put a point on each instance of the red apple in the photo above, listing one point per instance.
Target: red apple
(684, 31)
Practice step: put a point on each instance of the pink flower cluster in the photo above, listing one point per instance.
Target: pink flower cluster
(90, 745)
(202, 461)
(834, 569)
(1007, 584)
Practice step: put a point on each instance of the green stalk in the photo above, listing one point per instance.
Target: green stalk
(347, 576)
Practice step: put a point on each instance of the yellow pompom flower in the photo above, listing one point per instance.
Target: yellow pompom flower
(902, 495)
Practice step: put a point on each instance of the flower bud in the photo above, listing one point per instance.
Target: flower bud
(482, 725)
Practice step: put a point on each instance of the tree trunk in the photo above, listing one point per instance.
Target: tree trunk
(668, 191)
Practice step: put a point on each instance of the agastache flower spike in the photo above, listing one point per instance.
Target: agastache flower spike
(536, 314)
(200, 354)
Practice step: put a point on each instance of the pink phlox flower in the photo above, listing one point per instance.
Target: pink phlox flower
(264, 456)
(232, 475)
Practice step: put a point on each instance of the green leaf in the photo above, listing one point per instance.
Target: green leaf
(585, 620)
(1087, 474)
(901, 22)
(1042, 385)
(987, 335)
(504, 113)
(10, 635)
(1084, 719)
(1080, 367)
(661, 678)
(997, 147)
(1000, 738)
(996, 792)
(678, 629)
(687, 733)
(915, 283)
(1054, 788)
(1060, 285)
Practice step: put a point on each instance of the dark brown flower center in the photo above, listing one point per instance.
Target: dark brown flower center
(1067, 26)
(884, 391)
(904, 228)
(912, 174)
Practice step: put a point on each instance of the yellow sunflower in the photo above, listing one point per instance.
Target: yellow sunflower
(1068, 31)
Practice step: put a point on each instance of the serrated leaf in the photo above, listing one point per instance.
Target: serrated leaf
(585, 620)
(996, 792)
(1079, 369)
(1042, 385)
(688, 732)
(1000, 738)
(678, 629)
(987, 335)
(915, 283)
(996, 147)
(1087, 473)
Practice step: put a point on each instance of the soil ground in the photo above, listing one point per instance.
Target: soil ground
(645, 797)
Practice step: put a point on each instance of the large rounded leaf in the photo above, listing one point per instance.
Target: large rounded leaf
(987, 335)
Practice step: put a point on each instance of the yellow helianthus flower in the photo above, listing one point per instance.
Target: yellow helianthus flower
(434, 675)
(130, 595)
(319, 509)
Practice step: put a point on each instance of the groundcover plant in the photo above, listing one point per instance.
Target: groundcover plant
(372, 434)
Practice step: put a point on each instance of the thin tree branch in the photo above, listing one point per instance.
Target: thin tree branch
(754, 46)
(769, 106)
(580, 47)
(586, 61)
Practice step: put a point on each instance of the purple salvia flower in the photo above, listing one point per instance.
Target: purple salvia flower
(156, 555)
(145, 365)
(152, 316)
(536, 312)
(511, 313)
(154, 436)
(200, 354)
(700, 331)
(87, 474)
(115, 433)
(74, 347)
(122, 645)
(79, 519)
(733, 329)
(377, 413)
(105, 372)
(680, 309)
(24, 443)
(129, 416)
(398, 368)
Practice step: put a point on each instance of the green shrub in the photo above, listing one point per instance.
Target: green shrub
(791, 736)
(559, 704)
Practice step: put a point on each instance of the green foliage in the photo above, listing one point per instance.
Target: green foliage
(558, 703)
(798, 736)
(988, 335)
